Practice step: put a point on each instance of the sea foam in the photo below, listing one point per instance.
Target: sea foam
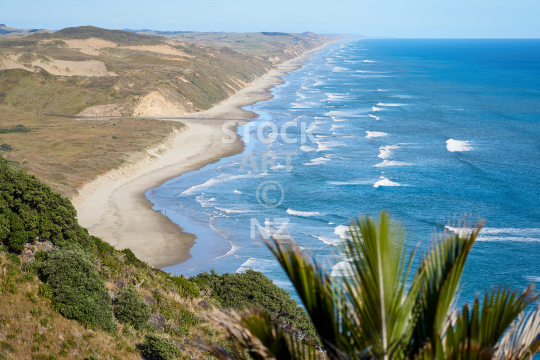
(342, 231)
(386, 151)
(342, 268)
(392, 163)
(304, 213)
(317, 161)
(385, 182)
(374, 134)
(458, 145)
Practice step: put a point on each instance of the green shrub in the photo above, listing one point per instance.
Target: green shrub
(14, 129)
(30, 209)
(186, 288)
(78, 291)
(6, 147)
(158, 348)
(131, 309)
(254, 290)
(130, 258)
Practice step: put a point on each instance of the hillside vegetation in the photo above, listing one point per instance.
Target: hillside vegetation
(275, 47)
(114, 72)
(91, 71)
(65, 293)
(66, 153)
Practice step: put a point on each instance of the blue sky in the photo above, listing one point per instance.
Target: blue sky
(391, 18)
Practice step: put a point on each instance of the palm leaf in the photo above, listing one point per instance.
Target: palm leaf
(443, 266)
(380, 264)
(318, 294)
(475, 336)
(522, 340)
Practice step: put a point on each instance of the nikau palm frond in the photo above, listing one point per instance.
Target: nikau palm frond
(379, 310)
(522, 339)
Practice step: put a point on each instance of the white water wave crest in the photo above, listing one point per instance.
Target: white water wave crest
(386, 151)
(304, 213)
(375, 117)
(328, 145)
(350, 182)
(389, 104)
(374, 134)
(233, 211)
(307, 148)
(317, 161)
(342, 268)
(385, 182)
(255, 264)
(392, 163)
(458, 145)
(342, 231)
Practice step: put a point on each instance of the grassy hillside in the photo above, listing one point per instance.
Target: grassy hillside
(65, 293)
(67, 71)
(274, 47)
(65, 153)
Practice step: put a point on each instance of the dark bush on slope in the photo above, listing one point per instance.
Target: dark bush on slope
(131, 308)
(30, 210)
(78, 291)
(253, 290)
(158, 348)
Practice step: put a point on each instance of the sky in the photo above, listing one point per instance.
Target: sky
(386, 18)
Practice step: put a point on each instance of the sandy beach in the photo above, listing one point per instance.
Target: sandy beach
(116, 209)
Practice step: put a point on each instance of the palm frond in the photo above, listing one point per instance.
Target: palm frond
(443, 266)
(245, 340)
(318, 294)
(522, 340)
(476, 335)
(380, 264)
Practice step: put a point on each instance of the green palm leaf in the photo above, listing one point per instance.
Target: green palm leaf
(318, 294)
(475, 335)
(380, 264)
(522, 340)
(443, 266)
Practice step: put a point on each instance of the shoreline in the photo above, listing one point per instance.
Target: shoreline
(118, 210)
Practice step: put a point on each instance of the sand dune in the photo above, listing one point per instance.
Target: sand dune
(62, 67)
(160, 49)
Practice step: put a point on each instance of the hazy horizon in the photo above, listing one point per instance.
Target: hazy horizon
(388, 18)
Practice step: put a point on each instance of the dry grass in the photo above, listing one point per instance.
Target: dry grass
(31, 327)
(65, 153)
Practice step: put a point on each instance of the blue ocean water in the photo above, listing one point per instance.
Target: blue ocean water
(428, 130)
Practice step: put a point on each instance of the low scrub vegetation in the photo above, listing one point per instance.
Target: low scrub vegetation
(14, 129)
(252, 290)
(78, 291)
(130, 308)
(158, 348)
(30, 210)
(85, 299)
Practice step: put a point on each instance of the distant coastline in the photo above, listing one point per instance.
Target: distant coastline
(118, 210)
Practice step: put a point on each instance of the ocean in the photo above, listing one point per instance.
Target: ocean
(428, 130)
